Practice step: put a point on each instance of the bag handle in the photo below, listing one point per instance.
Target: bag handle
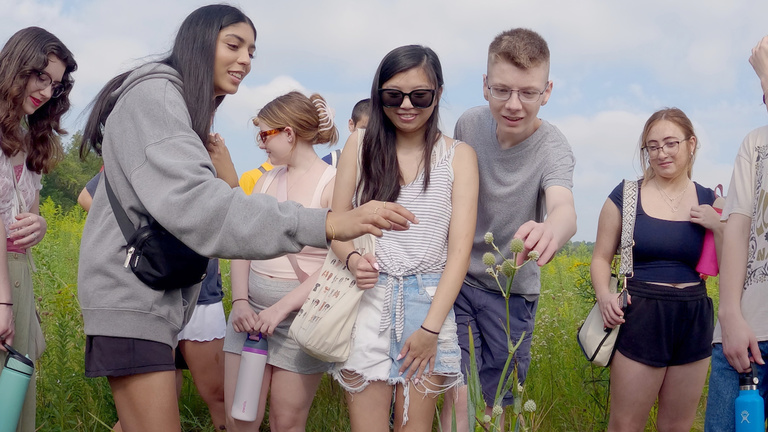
(122, 218)
(628, 214)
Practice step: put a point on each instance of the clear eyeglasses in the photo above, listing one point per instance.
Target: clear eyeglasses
(525, 95)
(44, 80)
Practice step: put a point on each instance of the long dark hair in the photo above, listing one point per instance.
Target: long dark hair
(192, 56)
(26, 53)
(380, 176)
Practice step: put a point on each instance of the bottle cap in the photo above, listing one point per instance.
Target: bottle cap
(258, 346)
(18, 362)
(748, 379)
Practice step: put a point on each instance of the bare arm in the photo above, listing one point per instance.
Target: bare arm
(6, 298)
(85, 199)
(421, 347)
(365, 268)
(739, 340)
(549, 236)
(244, 319)
(608, 238)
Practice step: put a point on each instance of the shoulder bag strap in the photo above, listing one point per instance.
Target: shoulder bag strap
(122, 218)
(629, 212)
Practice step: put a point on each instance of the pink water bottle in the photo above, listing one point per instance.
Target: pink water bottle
(253, 359)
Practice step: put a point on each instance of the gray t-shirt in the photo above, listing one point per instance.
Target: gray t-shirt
(512, 185)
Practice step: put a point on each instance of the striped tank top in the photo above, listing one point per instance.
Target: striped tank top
(423, 248)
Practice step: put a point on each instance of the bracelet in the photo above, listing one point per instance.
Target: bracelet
(237, 300)
(333, 232)
(350, 256)
(6, 304)
(429, 331)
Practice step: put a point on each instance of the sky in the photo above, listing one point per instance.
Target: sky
(613, 64)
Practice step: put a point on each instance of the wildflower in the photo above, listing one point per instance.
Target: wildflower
(530, 405)
(489, 259)
(533, 255)
(488, 237)
(497, 410)
(507, 268)
(486, 418)
(516, 246)
(489, 271)
(519, 388)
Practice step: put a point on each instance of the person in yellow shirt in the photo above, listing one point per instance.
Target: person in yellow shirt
(249, 178)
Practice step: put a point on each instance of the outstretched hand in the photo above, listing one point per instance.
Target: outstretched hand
(539, 237)
(369, 218)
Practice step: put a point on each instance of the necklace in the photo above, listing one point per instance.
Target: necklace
(669, 200)
(301, 177)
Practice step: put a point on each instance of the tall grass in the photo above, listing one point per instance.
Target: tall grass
(570, 394)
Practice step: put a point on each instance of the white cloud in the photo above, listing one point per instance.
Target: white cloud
(613, 63)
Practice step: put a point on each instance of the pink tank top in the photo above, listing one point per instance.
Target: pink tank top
(310, 259)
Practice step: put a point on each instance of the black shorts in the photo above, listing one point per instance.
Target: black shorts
(115, 356)
(667, 326)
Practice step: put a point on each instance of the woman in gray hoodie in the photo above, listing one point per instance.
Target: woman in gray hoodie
(151, 126)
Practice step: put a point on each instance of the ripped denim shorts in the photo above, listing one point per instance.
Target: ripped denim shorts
(373, 354)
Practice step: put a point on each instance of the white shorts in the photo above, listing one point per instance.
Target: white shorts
(206, 324)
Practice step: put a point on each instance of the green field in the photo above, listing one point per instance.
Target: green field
(570, 394)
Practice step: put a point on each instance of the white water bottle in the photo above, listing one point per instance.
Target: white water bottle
(253, 359)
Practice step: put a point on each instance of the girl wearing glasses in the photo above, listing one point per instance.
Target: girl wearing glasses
(665, 340)
(405, 335)
(35, 81)
(267, 294)
(151, 125)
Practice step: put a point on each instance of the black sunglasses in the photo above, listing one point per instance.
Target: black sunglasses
(422, 98)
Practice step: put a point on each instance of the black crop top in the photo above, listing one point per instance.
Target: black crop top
(665, 251)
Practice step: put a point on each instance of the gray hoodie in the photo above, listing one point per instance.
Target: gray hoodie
(158, 166)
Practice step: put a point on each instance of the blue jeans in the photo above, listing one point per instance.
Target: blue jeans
(486, 313)
(724, 388)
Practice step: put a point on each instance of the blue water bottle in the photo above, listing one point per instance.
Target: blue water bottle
(14, 381)
(749, 407)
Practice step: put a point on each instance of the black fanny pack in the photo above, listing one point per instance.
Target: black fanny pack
(154, 255)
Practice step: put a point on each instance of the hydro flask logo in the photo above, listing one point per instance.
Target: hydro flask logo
(745, 416)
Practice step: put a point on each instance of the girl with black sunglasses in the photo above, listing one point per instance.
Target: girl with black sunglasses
(35, 80)
(405, 334)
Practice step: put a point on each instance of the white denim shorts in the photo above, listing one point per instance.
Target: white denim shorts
(373, 354)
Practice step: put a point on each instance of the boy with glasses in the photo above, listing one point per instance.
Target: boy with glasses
(526, 176)
(741, 333)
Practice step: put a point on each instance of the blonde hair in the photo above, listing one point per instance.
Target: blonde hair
(677, 117)
(521, 47)
(310, 117)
